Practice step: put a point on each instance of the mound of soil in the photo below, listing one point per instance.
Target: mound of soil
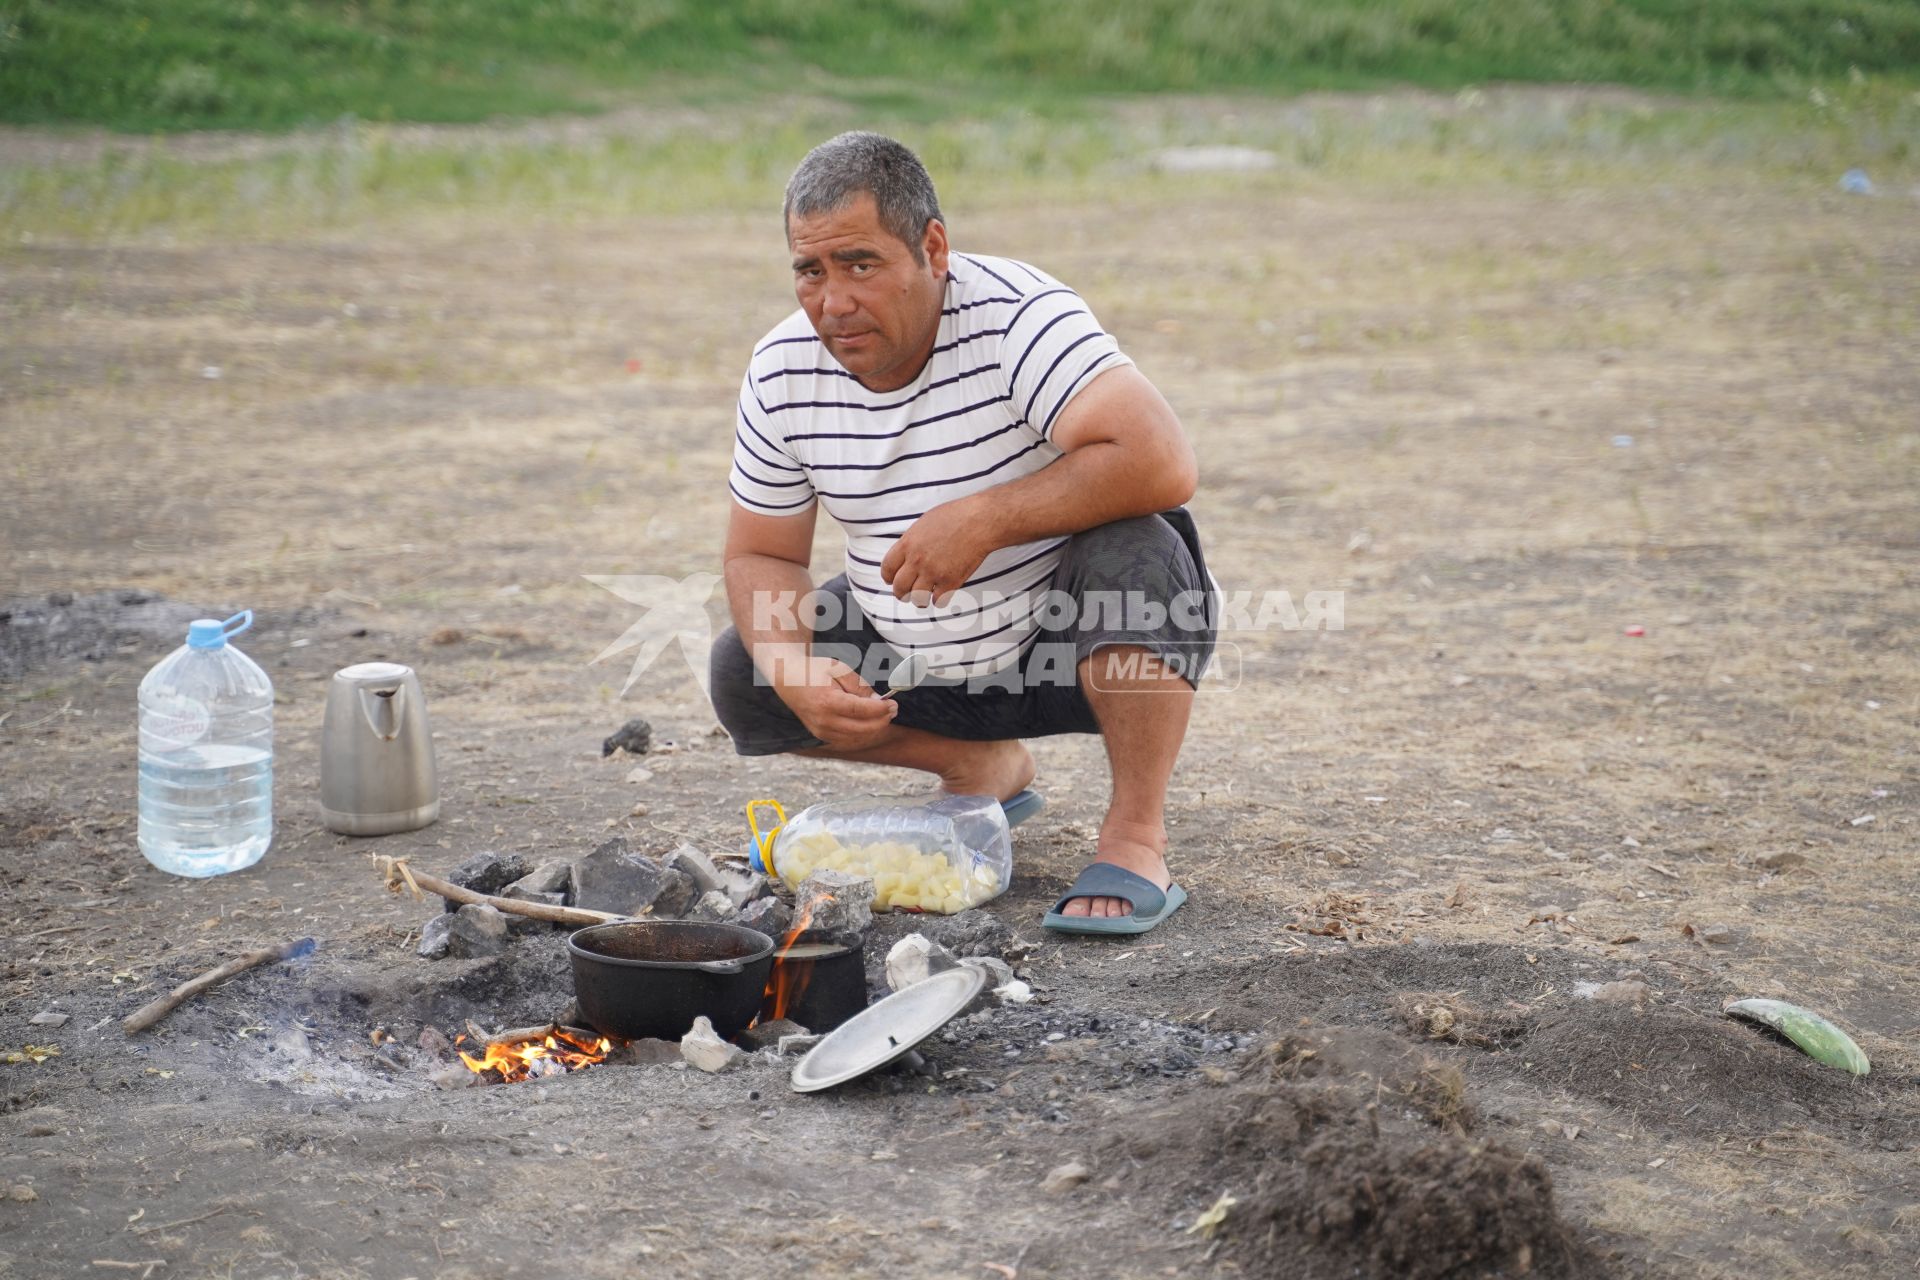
(1708, 1074)
(1347, 1154)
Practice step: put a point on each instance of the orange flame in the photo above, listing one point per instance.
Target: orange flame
(787, 983)
(559, 1051)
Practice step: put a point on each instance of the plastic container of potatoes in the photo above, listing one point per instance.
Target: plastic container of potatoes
(943, 855)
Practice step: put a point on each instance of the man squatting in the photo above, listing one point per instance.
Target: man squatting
(1004, 475)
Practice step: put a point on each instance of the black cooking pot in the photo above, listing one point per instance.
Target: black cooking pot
(654, 977)
(827, 985)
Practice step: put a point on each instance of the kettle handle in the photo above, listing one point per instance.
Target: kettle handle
(385, 710)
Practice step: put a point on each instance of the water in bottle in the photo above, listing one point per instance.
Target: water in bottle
(206, 755)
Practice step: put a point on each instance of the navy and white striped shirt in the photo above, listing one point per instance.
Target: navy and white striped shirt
(1014, 347)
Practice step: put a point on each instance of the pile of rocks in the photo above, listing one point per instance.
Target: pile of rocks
(684, 884)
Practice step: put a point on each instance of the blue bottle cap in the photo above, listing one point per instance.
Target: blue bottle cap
(209, 633)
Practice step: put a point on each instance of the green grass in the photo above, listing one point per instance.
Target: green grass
(185, 64)
(735, 161)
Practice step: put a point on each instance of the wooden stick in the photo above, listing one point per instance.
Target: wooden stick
(184, 1222)
(521, 1035)
(152, 1012)
(401, 876)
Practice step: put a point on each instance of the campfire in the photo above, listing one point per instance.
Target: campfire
(786, 983)
(548, 1051)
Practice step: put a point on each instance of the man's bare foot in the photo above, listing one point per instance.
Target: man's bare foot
(1136, 847)
(998, 769)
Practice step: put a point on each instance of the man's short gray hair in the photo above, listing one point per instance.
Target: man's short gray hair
(839, 169)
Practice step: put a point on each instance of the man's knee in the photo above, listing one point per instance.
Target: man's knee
(747, 706)
(729, 675)
(1138, 559)
(1134, 540)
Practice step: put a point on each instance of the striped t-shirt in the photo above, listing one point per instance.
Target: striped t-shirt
(1014, 347)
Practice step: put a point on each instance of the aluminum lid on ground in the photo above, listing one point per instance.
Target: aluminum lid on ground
(882, 1032)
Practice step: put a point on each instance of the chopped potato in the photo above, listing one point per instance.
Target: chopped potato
(903, 876)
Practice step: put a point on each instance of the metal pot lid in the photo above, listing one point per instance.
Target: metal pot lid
(882, 1032)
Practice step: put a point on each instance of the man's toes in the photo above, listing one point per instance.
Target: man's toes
(1098, 908)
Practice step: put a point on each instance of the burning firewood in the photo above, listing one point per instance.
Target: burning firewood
(530, 1052)
(152, 1012)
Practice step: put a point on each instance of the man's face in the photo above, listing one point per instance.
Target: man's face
(876, 308)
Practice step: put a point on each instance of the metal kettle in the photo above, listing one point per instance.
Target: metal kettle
(376, 753)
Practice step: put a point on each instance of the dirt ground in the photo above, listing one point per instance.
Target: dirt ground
(1508, 424)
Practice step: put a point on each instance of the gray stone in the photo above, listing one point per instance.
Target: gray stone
(768, 1035)
(741, 884)
(835, 902)
(1215, 159)
(548, 877)
(454, 1077)
(434, 936)
(518, 925)
(478, 930)
(703, 1048)
(713, 907)
(292, 1043)
(999, 972)
(768, 915)
(50, 1019)
(792, 1046)
(434, 1041)
(633, 737)
(1716, 933)
(614, 878)
(915, 958)
(691, 862)
(646, 1052)
(1065, 1177)
(678, 893)
(971, 933)
(487, 872)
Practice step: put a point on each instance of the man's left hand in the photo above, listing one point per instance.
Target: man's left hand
(937, 553)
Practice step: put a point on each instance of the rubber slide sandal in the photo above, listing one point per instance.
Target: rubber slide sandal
(1104, 880)
(1023, 805)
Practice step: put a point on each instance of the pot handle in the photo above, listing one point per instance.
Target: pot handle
(728, 967)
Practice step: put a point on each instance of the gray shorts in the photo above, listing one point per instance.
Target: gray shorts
(1153, 559)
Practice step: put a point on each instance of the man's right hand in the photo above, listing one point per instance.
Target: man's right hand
(837, 706)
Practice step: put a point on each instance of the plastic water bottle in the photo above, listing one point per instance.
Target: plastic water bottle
(206, 755)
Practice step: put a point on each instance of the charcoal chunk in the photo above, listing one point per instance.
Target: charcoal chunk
(487, 872)
(633, 737)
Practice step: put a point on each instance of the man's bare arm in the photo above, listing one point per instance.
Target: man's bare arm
(765, 566)
(766, 560)
(1124, 454)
